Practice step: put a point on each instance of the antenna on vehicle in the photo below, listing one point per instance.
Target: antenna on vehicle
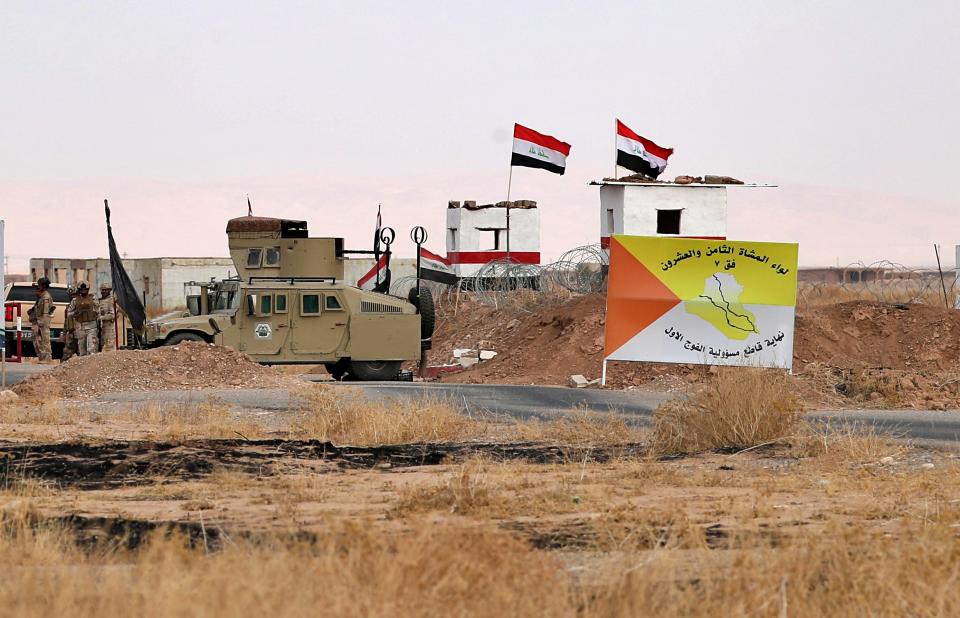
(249, 206)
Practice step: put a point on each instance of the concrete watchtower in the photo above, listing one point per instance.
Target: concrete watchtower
(478, 234)
(662, 209)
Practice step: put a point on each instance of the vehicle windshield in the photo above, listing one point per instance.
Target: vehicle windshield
(226, 299)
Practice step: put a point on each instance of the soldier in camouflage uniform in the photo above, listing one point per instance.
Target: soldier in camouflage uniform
(69, 327)
(40, 320)
(108, 319)
(85, 315)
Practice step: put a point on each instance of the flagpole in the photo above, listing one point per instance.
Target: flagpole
(614, 147)
(509, 186)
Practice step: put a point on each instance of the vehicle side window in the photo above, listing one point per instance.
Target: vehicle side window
(253, 257)
(331, 303)
(60, 295)
(21, 293)
(280, 305)
(266, 304)
(251, 303)
(271, 256)
(310, 304)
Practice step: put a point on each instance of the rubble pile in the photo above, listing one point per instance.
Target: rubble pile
(187, 366)
(707, 179)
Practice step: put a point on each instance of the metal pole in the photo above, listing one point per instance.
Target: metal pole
(614, 151)
(509, 182)
(936, 251)
(603, 374)
(508, 230)
(3, 362)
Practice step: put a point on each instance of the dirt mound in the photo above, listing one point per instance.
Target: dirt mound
(543, 347)
(186, 366)
(903, 349)
(870, 334)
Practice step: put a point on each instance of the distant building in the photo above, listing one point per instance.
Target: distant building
(868, 274)
(158, 280)
(478, 234)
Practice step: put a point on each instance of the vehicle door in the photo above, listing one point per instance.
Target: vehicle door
(320, 323)
(264, 320)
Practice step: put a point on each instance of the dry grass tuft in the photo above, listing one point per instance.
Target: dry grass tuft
(739, 408)
(846, 443)
(464, 492)
(581, 428)
(211, 418)
(351, 418)
(363, 571)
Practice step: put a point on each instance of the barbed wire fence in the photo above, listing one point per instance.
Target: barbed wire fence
(527, 287)
(505, 284)
(881, 281)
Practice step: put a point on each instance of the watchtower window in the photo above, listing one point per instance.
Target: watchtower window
(281, 304)
(272, 256)
(668, 221)
(266, 304)
(254, 256)
(497, 237)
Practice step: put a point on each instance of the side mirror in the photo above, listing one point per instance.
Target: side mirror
(215, 327)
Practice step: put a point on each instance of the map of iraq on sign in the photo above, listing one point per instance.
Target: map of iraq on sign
(683, 300)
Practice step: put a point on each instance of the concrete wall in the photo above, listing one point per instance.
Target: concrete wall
(632, 209)
(475, 237)
(161, 278)
(174, 272)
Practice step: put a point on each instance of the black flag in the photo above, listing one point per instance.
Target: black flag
(123, 289)
(383, 283)
(376, 238)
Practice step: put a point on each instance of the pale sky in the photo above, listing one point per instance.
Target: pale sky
(176, 110)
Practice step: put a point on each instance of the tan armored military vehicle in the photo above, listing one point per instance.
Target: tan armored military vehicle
(289, 305)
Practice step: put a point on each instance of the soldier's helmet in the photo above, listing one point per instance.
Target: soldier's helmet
(71, 290)
(105, 286)
(43, 281)
(83, 286)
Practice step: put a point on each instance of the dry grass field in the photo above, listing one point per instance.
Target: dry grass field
(732, 504)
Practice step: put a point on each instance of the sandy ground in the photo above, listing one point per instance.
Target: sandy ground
(241, 487)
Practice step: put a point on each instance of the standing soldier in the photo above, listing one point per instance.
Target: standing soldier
(69, 327)
(85, 318)
(40, 320)
(108, 319)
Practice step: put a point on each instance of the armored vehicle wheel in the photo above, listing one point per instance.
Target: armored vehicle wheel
(338, 369)
(424, 305)
(369, 371)
(181, 337)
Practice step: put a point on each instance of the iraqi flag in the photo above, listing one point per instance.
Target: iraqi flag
(532, 149)
(639, 154)
(377, 278)
(435, 268)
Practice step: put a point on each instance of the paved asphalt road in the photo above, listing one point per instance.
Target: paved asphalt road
(546, 401)
(539, 401)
